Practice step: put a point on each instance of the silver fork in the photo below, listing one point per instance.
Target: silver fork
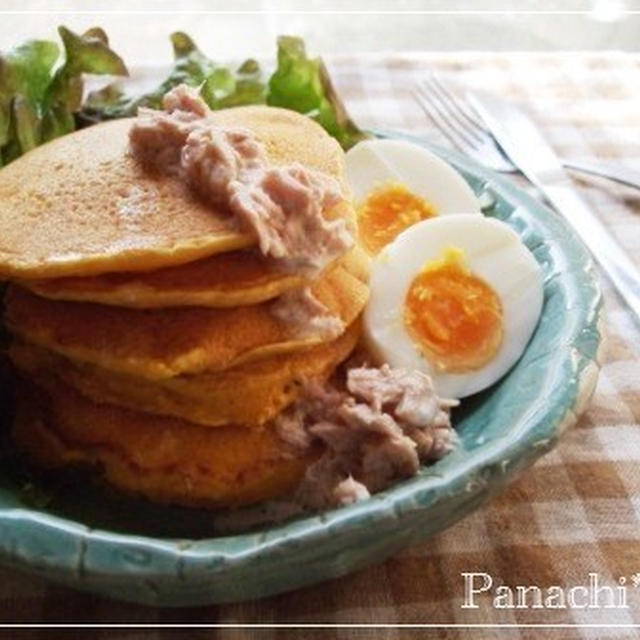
(461, 124)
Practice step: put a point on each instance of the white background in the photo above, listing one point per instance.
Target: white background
(140, 34)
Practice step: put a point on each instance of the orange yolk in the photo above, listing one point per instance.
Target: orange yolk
(454, 316)
(386, 212)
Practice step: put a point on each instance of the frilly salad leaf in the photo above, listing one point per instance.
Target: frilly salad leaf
(41, 87)
(298, 83)
(303, 84)
(220, 86)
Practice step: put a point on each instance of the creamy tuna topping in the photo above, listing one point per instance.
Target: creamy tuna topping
(376, 431)
(283, 206)
(349, 491)
(306, 315)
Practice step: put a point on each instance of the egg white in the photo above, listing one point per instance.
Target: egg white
(494, 253)
(373, 163)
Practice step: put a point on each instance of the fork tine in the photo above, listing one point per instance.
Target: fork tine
(450, 105)
(460, 104)
(448, 113)
(443, 121)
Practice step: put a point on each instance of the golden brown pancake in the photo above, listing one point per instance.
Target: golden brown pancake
(164, 459)
(81, 205)
(235, 278)
(228, 279)
(162, 343)
(250, 394)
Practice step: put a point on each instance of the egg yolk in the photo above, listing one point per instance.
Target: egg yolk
(454, 316)
(386, 212)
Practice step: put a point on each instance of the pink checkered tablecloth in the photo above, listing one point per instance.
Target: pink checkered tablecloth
(577, 511)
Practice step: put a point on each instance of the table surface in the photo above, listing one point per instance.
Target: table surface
(577, 511)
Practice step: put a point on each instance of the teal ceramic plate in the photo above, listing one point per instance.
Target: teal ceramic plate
(105, 543)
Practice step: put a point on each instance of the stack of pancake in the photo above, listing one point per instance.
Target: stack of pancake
(142, 321)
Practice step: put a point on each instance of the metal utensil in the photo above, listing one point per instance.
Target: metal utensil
(528, 150)
(460, 123)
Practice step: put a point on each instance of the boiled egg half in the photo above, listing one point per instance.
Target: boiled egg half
(457, 297)
(397, 184)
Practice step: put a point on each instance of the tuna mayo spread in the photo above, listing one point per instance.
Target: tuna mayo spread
(281, 205)
(376, 430)
(376, 426)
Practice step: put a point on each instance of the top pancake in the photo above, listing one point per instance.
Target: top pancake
(81, 205)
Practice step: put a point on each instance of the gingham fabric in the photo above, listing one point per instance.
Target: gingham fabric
(577, 511)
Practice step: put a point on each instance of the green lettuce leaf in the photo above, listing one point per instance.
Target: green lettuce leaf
(220, 87)
(190, 67)
(25, 75)
(303, 84)
(298, 83)
(225, 88)
(41, 87)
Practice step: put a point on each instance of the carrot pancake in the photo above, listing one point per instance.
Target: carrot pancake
(211, 399)
(164, 459)
(225, 280)
(235, 278)
(162, 343)
(82, 205)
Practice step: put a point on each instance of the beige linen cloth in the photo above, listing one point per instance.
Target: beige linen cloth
(577, 511)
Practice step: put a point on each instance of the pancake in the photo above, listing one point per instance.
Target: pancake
(229, 279)
(164, 459)
(210, 399)
(80, 205)
(163, 343)
(235, 278)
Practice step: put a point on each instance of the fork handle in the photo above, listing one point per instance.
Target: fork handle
(621, 174)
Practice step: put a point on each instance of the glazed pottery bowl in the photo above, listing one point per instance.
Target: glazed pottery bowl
(91, 539)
